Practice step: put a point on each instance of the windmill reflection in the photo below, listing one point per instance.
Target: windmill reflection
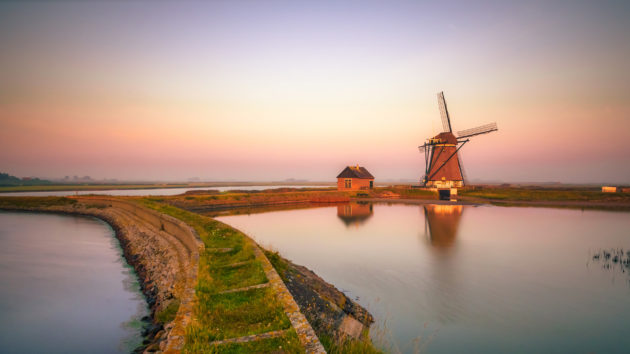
(446, 297)
(442, 222)
(354, 214)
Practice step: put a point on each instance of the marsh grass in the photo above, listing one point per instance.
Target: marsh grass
(352, 346)
(230, 315)
(34, 202)
(538, 194)
(256, 198)
(409, 193)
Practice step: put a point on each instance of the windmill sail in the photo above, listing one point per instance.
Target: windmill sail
(446, 120)
(484, 129)
(443, 165)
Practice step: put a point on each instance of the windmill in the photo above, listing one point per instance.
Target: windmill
(442, 163)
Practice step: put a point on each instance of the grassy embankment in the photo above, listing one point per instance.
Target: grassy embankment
(200, 201)
(544, 194)
(568, 197)
(236, 199)
(403, 193)
(219, 315)
(34, 202)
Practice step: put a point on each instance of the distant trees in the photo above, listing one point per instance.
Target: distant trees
(8, 180)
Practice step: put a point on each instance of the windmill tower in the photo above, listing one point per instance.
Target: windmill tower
(442, 161)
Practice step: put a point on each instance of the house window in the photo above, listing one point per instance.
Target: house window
(348, 183)
(371, 186)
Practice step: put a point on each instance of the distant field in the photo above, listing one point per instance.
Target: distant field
(545, 194)
(97, 187)
(87, 187)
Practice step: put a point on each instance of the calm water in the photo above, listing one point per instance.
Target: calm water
(453, 279)
(140, 192)
(65, 287)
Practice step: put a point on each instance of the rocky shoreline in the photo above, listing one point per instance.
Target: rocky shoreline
(332, 314)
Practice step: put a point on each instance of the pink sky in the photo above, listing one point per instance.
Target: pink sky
(275, 90)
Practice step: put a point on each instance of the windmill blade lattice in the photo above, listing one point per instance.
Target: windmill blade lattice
(484, 129)
(446, 120)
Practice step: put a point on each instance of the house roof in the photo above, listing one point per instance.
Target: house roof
(355, 172)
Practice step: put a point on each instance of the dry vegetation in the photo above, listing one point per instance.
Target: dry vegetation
(236, 199)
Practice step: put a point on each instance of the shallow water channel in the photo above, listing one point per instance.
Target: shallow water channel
(145, 191)
(65, 287)
(455, 279)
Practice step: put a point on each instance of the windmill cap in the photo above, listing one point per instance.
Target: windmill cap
(447, 137)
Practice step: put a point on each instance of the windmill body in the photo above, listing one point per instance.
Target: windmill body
(444, 171)
(441, 153)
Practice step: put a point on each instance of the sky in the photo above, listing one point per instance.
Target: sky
(270, 90)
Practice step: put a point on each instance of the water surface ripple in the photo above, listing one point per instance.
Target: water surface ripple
(65, 287)
(454, 279)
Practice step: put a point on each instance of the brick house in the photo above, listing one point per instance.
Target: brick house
(355, 178)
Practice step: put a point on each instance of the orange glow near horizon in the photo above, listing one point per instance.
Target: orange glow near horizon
(302, 90)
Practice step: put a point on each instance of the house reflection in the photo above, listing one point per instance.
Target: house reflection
(355, 214)
(442, 222)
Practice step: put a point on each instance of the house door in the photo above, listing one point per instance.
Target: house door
(445, 194)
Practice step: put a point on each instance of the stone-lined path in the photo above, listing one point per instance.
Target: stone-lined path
(305, 332)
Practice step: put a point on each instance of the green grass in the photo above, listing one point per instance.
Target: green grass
(220, 316)
(288, 343)
(532, 194)
(238, 314)
(227, 277)
(352, 346)
(224, 259)
(278, 263)
(168, 313)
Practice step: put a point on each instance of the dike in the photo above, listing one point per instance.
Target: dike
(164, 252)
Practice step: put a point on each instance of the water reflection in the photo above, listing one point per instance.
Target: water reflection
(521, 285)
(442, 222)
(355, 214)
(65, 287)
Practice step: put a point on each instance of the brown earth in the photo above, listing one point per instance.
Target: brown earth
(247, 199)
